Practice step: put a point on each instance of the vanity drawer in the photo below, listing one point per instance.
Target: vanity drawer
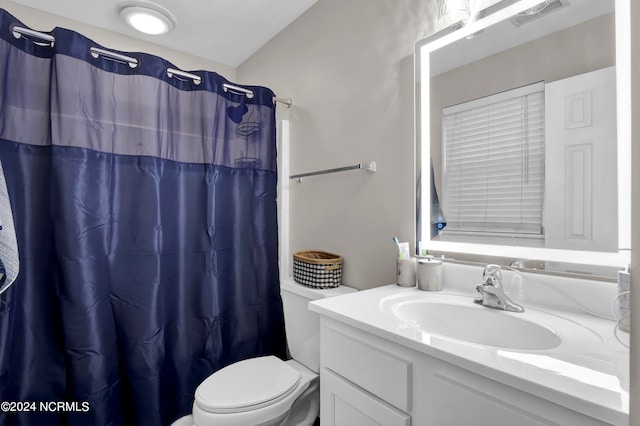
(355, 360)
(342, 404)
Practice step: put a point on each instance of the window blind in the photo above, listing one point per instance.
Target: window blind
(493, 174)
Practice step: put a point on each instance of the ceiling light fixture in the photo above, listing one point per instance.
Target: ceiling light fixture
(148, 18)
(535, 9)
(452, 12)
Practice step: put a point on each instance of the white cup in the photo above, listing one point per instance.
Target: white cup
(406, 272)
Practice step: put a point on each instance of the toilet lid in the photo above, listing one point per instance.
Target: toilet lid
(247, 385)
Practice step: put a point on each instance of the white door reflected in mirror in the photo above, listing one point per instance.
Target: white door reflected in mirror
(581, 179)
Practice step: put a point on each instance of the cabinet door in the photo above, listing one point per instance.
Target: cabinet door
(344, 404)
(464, 398)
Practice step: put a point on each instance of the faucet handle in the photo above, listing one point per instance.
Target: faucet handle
(492, 275)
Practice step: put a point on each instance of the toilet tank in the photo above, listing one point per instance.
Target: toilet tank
(302, 325)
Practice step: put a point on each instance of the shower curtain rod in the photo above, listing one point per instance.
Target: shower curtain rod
(242, 91)
(133, 63)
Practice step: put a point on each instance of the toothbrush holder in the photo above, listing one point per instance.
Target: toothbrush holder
(406, 272)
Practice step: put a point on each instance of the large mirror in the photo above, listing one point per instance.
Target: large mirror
(523, 141)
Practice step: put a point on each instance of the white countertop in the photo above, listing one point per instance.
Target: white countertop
(590, 378)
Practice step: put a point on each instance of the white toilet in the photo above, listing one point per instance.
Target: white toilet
(266, 391)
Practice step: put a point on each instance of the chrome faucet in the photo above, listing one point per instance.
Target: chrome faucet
(492, 294)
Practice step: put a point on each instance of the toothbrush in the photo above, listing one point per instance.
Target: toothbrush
(397, 243)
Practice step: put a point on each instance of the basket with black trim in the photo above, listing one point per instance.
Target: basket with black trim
(317, 269)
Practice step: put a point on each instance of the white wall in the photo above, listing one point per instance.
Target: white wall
(43, 21)
(348, 65)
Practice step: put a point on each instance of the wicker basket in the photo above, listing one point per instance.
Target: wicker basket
(317, 269)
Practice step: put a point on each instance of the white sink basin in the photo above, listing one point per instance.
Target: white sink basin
(485, 326)
(457, 317)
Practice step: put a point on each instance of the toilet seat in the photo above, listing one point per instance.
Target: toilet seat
(271, 396)
(247, 385)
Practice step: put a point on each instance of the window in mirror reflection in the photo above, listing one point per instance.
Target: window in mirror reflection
(493, 168)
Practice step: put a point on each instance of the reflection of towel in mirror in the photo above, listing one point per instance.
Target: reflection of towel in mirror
(438, 221)
(9, 261)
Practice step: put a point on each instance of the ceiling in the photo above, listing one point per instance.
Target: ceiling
(224, 31)
(505, 34)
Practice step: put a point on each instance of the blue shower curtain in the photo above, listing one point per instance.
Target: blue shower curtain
(145, 214)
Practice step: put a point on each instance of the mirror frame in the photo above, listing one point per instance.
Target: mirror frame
(506, 255)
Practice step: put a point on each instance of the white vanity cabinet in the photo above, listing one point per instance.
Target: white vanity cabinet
(368, 380)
